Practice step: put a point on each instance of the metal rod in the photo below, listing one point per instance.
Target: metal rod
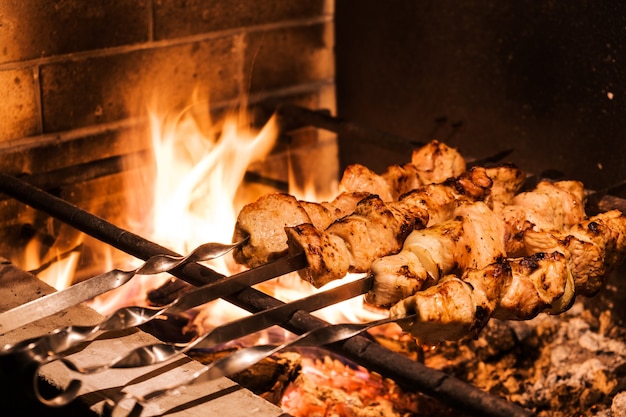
(100, 229)
(292, 117)
(410, 374)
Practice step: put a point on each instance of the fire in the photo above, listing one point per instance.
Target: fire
(198, 188)
(199, 169)
(199, 174)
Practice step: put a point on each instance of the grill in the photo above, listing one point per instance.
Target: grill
(412, 375)
(359, 348)
(491, 87)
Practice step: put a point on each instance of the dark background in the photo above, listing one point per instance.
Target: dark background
(487, 76)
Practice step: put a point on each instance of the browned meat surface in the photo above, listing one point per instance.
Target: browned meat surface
(436, 162)
(270, 240)
(439, 201)
(432, 163)
(520, 288)
(538, 283)
(328, 255)
(323, 214)
(373, 230)
(377, 228)
(401, 179)
(550, 206)
(263, 222)
(507, 182)
(474, 238)
(359, 178)
(593, 247)
(458, 307)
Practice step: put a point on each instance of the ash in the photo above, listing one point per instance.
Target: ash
(571, 364)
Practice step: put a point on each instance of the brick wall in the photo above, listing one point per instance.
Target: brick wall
(77, 75)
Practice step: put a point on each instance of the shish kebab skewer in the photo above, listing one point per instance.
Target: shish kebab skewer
(410, 373)
(520, 288)
(375, 228)
(264, 220)
(474, 238)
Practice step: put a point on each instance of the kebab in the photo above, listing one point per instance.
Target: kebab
(264, 220)
(433, 163)
(376, 228)
(520, 288)
(474, 238)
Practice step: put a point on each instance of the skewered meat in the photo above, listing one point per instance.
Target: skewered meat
(432, 163)
(377, 228)
(507, 182)
(460, 307)
(520, 288)
(475, 237)
(550, 206)
(359, 178)
(264, 220)
(349, 244)
(593, 248)
(437, 162)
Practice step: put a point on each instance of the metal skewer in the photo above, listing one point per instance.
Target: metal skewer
(161, 352)
(90, 288)
(244, 358)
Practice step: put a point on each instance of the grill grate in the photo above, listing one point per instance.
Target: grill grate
(412, 375)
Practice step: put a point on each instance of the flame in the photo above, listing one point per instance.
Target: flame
(200, 166)
(58, 271)
(199, 174)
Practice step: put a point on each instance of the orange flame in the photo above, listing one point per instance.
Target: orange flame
(200, 166)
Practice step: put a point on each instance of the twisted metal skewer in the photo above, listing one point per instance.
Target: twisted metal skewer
(156, 353)
(244, 358)
(90, 288)
(44, 349)
(67, 337)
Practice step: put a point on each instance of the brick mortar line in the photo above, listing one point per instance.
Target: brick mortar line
(31, 142)
(118, 50)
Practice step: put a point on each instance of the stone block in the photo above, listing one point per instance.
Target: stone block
(34, 29)
(105, 89)
(19, 111)
(174, 19)
(290, 56)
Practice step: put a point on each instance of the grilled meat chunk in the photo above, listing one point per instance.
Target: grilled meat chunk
(507, 182)
(593, 248)
(402, 179)
(435, 203)
(373, 230)
(377, 228)
(432, 163)
(461, 306)
(436, 162)
(359, 178)
(520, 288)
(270, 241)
(550, 206)
(474, 238)
(323, 214)
(264, 222)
